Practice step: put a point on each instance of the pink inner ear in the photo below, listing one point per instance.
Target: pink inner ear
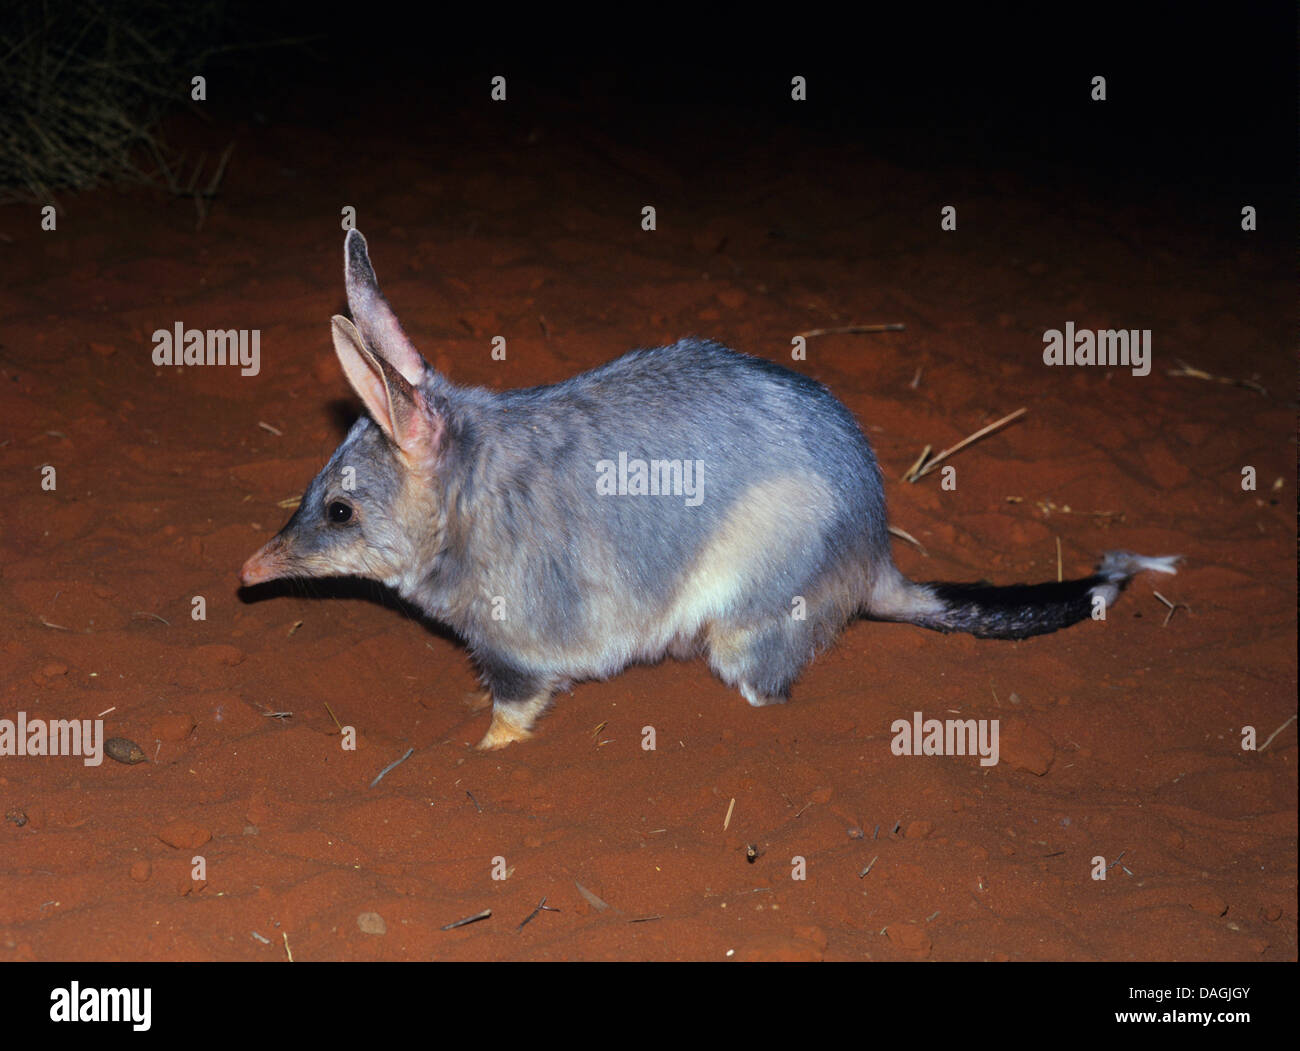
(362, 373)
(419, 429)
(388, 339)
(393, 402)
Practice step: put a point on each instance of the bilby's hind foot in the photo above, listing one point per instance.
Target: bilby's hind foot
(761, 661)
(760, 700)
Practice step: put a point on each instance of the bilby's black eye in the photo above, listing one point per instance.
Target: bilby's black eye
(338, 512)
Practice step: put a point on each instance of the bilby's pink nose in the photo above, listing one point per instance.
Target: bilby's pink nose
(266, 564)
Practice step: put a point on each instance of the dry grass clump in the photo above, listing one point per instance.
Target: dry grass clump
(84, 84)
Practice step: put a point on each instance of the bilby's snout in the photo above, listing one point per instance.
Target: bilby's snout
(267, 563)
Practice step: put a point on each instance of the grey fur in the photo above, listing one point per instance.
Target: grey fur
(482, 509)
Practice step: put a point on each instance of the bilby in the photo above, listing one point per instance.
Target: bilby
(678, 501)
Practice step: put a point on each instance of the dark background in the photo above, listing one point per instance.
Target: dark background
(1200, 99)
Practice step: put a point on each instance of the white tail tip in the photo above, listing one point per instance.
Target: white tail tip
(1120, 565)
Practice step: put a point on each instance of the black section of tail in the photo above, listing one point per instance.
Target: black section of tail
(1022, 610)
(1015, 612)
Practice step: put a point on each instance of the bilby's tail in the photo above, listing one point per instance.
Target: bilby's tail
(1014, 612)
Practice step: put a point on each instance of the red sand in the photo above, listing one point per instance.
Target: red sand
(167, 481)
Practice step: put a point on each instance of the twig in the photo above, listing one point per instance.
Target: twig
(1185, 369)
(914, 475)
(215, 181)
(1276, 732)
(468, 920)
(911, 471)
(1172, 605)
(396, 762)
(541, 907)
(902, 534)
(202, 197)
(843, 330)
(1048, 508)
(727, 820)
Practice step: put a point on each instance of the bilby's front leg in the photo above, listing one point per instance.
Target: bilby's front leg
(513, 721)
(518, 698)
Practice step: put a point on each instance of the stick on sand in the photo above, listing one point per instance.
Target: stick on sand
(847, 330)
(916, 474)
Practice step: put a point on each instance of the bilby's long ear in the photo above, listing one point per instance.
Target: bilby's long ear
(374, 317)
(400, 409)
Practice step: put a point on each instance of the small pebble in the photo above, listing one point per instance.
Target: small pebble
(124, 751)
(372, 923)
(184, 835)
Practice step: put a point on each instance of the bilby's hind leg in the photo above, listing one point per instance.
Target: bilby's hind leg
(518, 698)
(762, 660)
(762, 700)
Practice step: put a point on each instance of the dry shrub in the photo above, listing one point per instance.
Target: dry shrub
(83, 86)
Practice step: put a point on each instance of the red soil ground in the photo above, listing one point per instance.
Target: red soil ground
(1120, 740)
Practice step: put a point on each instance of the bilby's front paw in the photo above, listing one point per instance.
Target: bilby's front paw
(501, 733)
